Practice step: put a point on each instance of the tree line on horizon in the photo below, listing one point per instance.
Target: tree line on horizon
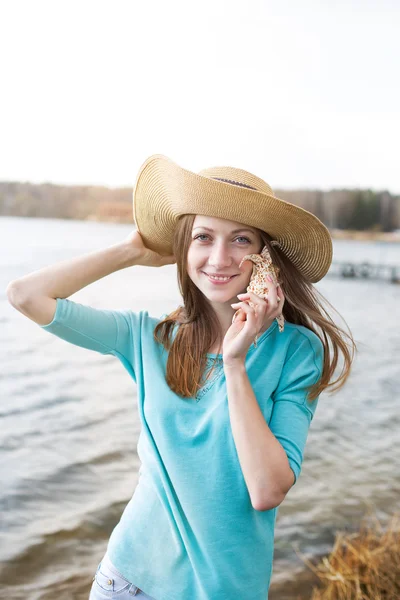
(355, 209)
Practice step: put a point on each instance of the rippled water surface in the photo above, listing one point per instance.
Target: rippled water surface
(69, 422)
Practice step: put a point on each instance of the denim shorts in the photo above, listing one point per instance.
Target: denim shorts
(109, 583)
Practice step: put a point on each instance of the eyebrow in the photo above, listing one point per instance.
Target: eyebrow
(233, 231)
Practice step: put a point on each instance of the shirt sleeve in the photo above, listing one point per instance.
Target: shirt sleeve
(104, 331)
(292, 413)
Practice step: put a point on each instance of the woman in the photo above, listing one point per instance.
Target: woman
(224, 421)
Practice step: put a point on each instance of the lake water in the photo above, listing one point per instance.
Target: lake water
(69, 424)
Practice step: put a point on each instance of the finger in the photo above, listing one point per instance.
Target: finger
(246, 308)
(259, 301)
(250, 315)
(239, 315)
(268, 302)
(274, 293)
(281, 297)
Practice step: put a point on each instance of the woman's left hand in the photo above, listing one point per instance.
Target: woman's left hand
(249, 322)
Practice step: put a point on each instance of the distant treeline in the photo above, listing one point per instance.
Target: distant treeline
(339, 209)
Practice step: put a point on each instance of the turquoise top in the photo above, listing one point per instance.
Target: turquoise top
(190, 530)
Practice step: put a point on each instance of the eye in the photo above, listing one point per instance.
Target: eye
(239, 237)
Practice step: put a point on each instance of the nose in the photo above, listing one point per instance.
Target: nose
(220, 256)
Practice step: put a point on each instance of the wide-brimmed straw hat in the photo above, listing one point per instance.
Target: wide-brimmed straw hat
(164, 191)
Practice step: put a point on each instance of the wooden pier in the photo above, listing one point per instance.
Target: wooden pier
(365, 270)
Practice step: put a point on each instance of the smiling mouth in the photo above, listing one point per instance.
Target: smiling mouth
(222, 279)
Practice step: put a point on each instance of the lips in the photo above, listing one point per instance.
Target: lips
(212, 279)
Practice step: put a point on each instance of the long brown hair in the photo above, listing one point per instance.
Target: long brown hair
(198, 326)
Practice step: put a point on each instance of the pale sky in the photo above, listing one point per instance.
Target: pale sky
(303, 93)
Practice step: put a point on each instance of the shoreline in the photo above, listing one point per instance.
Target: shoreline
(374, 236)
(336, 234)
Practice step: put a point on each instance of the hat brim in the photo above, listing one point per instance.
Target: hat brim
(164, 191)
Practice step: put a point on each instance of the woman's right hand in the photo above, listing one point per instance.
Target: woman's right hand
(143, 255)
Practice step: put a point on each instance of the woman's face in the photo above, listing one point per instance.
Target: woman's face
(217, 248)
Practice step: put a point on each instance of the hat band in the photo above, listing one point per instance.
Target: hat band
(235, 183)
(273, 242)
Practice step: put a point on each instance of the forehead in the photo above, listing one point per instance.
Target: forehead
(219, 225)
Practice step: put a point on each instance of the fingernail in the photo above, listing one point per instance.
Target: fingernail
(241, 295)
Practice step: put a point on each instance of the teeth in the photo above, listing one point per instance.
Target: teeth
(220, 278)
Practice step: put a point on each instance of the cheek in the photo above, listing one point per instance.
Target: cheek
(193, 262)
(195, 257)
(247, 268)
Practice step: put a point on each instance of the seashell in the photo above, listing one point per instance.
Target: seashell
(262, 266)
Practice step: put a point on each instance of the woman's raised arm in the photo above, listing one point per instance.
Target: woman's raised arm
(34, 295)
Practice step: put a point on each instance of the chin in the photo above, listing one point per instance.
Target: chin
(222, 297)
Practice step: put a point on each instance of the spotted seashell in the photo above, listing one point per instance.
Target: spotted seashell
(262, 266)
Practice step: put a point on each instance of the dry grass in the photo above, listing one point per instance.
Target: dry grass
(363, 565)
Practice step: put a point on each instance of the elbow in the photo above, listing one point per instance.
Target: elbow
(273, 499)
(14, 294)
(263, 504)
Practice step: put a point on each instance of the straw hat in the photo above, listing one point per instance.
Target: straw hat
(164, 191)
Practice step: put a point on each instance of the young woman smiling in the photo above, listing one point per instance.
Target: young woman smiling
(224, 423)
